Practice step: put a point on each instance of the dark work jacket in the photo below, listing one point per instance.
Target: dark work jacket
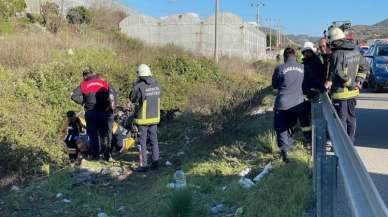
(146, 97)
(346, 65)
(288, 79)
(95, 93)
(314, 77)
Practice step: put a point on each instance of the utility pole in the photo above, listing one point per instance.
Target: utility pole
(258, 5)
(216, 30)
(270, 37)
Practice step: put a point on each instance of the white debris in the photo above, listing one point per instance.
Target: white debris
(171, 185)
(121, 209)
(245, 172)
(66, 200)
(224, 188)
(265, 171)
(168, 163)
(70, 51)
(246, 183)
(59, 195)
(15, 188)
(101, 214)
(180, 153)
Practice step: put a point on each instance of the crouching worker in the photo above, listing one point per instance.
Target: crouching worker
(122, 139)
(146, 98)
(289, 106)
(72, 130)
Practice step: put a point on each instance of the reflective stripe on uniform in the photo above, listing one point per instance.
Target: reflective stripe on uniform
(344, 93)
(361, 75)
(306, 129)
(71, 151)
(143, 120)
(348, 83)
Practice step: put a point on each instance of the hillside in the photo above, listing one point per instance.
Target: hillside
(383, 23)
(301, 39)
(223, 126)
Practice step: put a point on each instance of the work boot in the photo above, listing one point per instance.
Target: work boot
(284, 155)
(154, 165)
(141, 169)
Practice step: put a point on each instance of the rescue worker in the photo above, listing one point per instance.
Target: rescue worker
(313, 84)
(99, 100)
(289, 107)
(72, 131)
(347, 71)
(146, 98)
(324, 53)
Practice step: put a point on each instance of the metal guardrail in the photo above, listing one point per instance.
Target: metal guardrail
(365, 201)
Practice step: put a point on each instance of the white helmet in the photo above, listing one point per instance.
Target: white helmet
(308, 46)
(143, 70)
(336, 33)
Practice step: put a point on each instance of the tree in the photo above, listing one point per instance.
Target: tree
(51, 16)
(79, 15)
(9, 8)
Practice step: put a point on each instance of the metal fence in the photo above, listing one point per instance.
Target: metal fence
(365, 201)
(235, 37)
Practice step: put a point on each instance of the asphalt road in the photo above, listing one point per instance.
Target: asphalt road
(372, 137)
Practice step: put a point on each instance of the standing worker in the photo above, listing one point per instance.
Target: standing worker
(146, 98)
(289, 108)
(313, 84)
(347, 71)
(99, 100)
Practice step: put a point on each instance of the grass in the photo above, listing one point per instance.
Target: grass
(213, 134)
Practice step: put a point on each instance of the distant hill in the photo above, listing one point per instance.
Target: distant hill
(383, 23)
(301, 39)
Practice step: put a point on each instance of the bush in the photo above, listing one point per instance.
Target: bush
(10, 8)
(79, 15)
(180, 204)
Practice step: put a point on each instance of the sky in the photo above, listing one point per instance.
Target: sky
(309, 17)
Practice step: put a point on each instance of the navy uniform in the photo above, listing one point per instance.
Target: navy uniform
(289, 107)
(98, 98)
(348, 69)
(146, 97)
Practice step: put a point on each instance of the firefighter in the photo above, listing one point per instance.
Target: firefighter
(289, 106)
(347, 71)
(99, 100)
(313, 84)
(146, 98)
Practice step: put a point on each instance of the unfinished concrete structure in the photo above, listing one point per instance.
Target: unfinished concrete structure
(236, 37)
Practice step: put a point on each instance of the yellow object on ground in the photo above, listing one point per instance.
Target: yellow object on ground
(128, 143)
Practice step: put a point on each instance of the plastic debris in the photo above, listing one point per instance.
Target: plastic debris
(121, 209)
(70, 51)
(246, 183)
(168, 163)
(66, 200)
(238, 212)
(265, 171)
(101, 214)
(59, 195)
(224, 188)
(15, 188)
(217, 208)
(245, 172)
(180, 153)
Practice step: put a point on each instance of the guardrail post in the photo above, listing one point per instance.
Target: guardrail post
(319, 140)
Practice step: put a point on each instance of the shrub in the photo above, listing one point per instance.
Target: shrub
(79, 15)
(180, 204)
(10, 8)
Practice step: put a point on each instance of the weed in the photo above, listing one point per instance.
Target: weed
(180, 204)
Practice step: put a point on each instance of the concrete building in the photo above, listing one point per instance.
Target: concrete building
(236, 37)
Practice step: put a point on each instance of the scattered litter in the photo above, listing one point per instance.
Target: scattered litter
(59, 195)
(121, 209)
(15, 188)
(66, 200)
(224, 188)
(217, 208)
(101, 214)
(246, 183)
(238, 212)
(180, 153)
(171, 185)
(70, 52)
(265, 171)
(168, 163)
(245, 172)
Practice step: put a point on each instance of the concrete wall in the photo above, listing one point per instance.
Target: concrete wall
(236, 37)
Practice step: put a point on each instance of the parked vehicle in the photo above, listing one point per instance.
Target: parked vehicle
(378, 58)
